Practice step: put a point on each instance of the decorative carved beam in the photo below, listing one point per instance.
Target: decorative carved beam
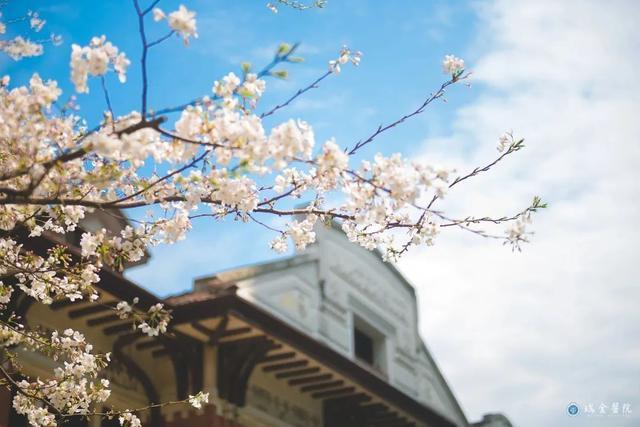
(180, 350)
(334, 392)
(109, 318)
(215, 334)
(321, 386)
(137, 372)
(58, 305)
(92, 309)
(203, 329)
(357, 398)
(297, 372)
(311, 379)
(196, 362)
(116, 329)
(277, 357)
(233, 332)
(236, 361)
(285, 365)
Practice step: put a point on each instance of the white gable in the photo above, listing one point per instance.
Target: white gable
(335, 287)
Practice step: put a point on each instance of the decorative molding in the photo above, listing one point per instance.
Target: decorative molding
(373, 289)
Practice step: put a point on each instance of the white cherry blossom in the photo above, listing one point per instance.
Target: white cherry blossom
(95, 60)
(452, 65)
(183, 21)
(197, 400)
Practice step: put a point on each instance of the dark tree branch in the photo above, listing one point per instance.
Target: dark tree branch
(313, 85)
(161, 39)
(438, 94)
(143, 59)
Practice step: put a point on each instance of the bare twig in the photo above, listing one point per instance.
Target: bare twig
(438, 94)
(313, 85)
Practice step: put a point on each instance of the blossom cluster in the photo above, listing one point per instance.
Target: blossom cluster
(73, 389)
(37, 276)
(251, 87)
(385, 194)
(19, 47)
(452, 65)
(345, 55)
(95, 60)
(115, 251)
(197, 400)
(182, 21)
(127, 419)
(154, 322)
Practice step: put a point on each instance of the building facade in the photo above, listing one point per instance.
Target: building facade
(327, 337)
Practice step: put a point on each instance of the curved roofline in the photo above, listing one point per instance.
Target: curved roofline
(403, 279)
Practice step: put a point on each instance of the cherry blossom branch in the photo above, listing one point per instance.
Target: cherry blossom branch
(284, 195)
(161, 179)
(82, 151)
(512, 148)
(266, 70)
(69, 156)
(107, 100)
(268, 227)
(195, 401)
(304, 211)
(161, 39)
(381, 129)
(143, 58)
(313, 85)
(19, 389)
(151, 6)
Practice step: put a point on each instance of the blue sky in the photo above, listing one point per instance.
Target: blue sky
(520, 333)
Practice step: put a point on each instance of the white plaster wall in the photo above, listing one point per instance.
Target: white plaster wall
(338, 281)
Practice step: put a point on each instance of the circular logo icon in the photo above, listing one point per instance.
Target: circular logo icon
(572, 409)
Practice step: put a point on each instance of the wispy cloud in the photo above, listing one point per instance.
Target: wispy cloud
(528, 333)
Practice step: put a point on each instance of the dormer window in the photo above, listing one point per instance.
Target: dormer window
(363, 346)
(369, 345)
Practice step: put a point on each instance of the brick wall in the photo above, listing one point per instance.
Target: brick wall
(5, 406)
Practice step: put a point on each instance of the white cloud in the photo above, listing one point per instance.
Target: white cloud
(528, 333)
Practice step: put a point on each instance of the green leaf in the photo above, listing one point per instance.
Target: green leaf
(283, 49)
(280, 74)
(538, 203)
